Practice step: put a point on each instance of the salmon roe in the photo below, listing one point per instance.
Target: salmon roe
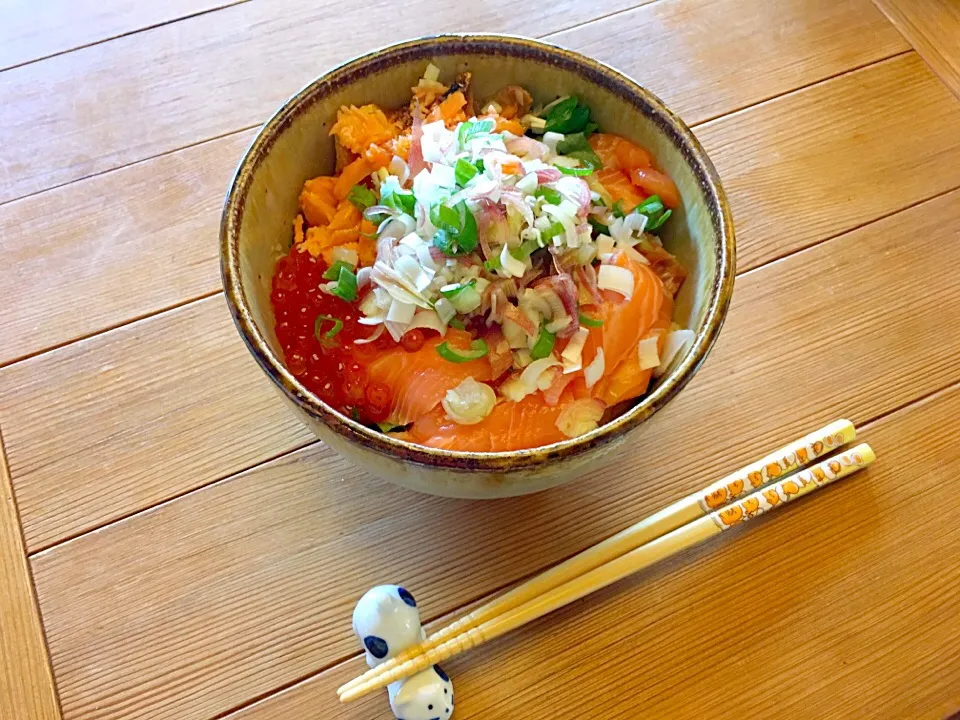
(330, 367)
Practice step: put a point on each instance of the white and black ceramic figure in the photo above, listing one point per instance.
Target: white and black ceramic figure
(428, 695)
(387, 622)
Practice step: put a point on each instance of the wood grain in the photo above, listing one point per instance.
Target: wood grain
(712, 58)
(863, 159)
(109, 249)
(114, 267)
(933, 28)
(26, 682)
(82, 456)
(194, 607)
(33, 30)
(846, 605)
(186, 82)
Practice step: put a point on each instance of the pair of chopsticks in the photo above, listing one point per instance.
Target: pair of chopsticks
(758, 488)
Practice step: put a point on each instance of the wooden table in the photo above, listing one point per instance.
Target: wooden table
(181, 548)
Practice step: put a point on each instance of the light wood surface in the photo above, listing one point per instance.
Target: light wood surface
(933, 28)
(26, 683)
(98, 472)
(254, 556)
(34, 30)
(116, 266)
(196, 554)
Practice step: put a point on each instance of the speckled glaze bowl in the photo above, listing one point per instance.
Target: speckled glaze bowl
(294, 146)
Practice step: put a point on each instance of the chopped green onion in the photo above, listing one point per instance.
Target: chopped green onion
(588, 321)
(655, 212)
(576, 172)
(556, 228)
(480, 165)
(544, 344)
(478, 349)
(567, 116)
(456, 229)
(333, 272)
(617, 209)
(493, 264)
(470, 129)
(387, 427)
(598, 226)
(345, 287)
(404, 202)
(549, 194)
(453, 292)
(658, 223)
(457, 323)
(464, 171)
(576, 146)
(329, 334)
(362, 197)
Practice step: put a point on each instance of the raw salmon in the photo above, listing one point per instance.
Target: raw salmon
(618, 153)
(419, 380)
(627, 380)
(617, 183)
(511, 426)
(625, 321)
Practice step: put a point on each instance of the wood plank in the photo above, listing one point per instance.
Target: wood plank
(191, 81)
(43, 449)
(866, 158)
(36, 30)
(99, 281)
(138, 429)
(132, 243)
(713, 58)
(247, 585)
(860, 618)
(932, 27)
(26, 681)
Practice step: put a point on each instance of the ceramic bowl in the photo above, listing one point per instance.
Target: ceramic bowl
(295, 146)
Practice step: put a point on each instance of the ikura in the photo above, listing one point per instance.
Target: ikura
(322, 356)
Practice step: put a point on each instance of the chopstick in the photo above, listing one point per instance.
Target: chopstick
(690, 509)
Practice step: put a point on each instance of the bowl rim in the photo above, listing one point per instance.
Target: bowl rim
(477, 44)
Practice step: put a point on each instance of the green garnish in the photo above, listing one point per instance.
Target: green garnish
(655, 212)
(402, 201)
(576, 172)
(478, 349)
(556, 228)
(568, 116)
(456, 229)
(617, 209)
(493, 264)
(457, 323)
(549, 194)
(471, 129)
(598, 226)
(464, 171)
(588, 321)
(453, 292)
(324, 338)
(544, 344)
(362, 197)
(333, 272)
(345, 287)
(480, 165)
(576, 146)
(386, 427)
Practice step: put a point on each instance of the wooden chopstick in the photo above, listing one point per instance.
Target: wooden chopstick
(663, 547)
(776, 465)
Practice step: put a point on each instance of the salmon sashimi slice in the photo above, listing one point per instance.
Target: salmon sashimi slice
(419, 380)
(628, 380)
(511, 426)
(618, 153)
(617, 184)
(625, 321)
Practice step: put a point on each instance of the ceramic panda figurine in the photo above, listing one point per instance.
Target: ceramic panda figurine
(387, 622)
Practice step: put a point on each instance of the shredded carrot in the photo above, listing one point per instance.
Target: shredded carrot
(367, 251)
(316, 207)
(512, 126)
(512, 168)
(358, 128)
(347, 217)
(298, 229)
(352, 174)
(449, 109)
